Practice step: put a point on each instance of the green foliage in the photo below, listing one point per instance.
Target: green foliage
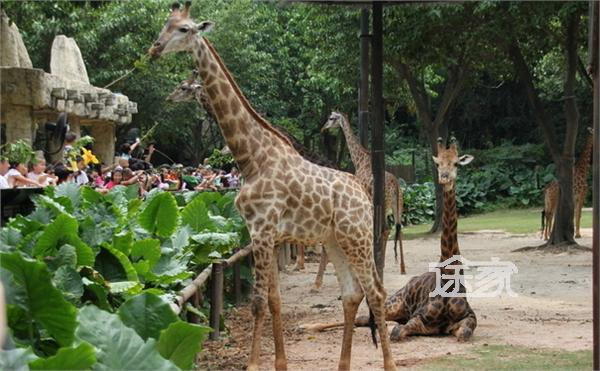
(33, 293)
(419, 203)
(118, 347)
(219, 160)
(159, 215)
(180, 343)
(131, 269)
(147, 314)
(81, 357)
(20, 152)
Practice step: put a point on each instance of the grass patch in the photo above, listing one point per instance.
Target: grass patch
(516, 221)
(506, 357)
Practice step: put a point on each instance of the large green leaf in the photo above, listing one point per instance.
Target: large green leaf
(42, 300)
(66, 256)
(81, 357)
(114, 265)
(181, 341)
(122, 242)
(9, 238)
(147, 314)
(118, 346)
(70, 191)
(64, 230)
(160, 215)
(148, 249)
(69, 282)
(195, 214)
(16, 359)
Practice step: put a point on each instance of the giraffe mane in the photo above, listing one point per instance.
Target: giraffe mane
(264, 123)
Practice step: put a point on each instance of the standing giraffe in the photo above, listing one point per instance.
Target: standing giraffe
(285, 199)
(580, 188)
(361, 158)
(411, 307)
(192, 89)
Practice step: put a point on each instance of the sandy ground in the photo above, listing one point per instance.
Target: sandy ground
(553, 309)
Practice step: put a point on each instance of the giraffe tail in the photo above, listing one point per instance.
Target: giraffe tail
(372, 325)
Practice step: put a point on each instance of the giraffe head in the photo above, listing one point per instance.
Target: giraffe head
(179, 32)
(335, 120)
(187, 90)
(447, 161)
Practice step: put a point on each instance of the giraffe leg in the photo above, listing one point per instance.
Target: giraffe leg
(264, 258)
(463, 329)
(321, 272)
(299, 258)
(578, 207)
(275, 308)
(364, 271)
(414, 326)
(352, 295)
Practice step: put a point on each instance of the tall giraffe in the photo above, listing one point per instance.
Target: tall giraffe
(361, 158)
(285, 199)
(580, 188)
(192, 89)
(411, 307)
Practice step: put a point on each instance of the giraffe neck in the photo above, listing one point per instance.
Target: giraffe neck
(359, 154)
(449, 240)
(583, 162)
(251, 139)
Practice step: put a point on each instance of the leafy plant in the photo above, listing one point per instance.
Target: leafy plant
(82, 256)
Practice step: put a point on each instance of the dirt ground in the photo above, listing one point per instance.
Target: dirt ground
(553, 309)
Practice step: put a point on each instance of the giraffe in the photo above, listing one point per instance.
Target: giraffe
(285, 198)
(415, 312)
(361, 158)
(192, 89)
(580, 188)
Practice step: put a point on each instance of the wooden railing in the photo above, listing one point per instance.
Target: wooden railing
(195, 290)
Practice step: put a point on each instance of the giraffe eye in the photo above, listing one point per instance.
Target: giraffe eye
(184, 29)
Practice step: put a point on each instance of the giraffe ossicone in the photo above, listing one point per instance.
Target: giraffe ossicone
(285, 198)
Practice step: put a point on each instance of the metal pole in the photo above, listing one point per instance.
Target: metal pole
(377, 137)
(363, 91)
(216, 299)
(593, 47)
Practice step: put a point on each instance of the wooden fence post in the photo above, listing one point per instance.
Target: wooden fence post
(216, 299)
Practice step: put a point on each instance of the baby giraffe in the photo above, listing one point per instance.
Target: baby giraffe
(411, 307)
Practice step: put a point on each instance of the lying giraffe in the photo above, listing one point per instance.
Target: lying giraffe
(285, 198)
(580, 188)
(411, 307)
(192, 89)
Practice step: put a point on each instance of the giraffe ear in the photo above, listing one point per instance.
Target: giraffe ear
(205, 26)
(465, 159)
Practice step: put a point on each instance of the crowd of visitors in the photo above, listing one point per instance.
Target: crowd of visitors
(81, 167)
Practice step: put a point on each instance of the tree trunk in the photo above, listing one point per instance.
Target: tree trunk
(562, 233)
(563, 228)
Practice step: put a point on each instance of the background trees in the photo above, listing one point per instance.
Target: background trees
(448, 71)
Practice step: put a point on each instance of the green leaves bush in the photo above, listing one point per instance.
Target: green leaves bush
(89, 277)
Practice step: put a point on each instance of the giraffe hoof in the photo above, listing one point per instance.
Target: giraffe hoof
(298, 268)
(463, 335)
(577, 235)
(315, 289)
(397, 333)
